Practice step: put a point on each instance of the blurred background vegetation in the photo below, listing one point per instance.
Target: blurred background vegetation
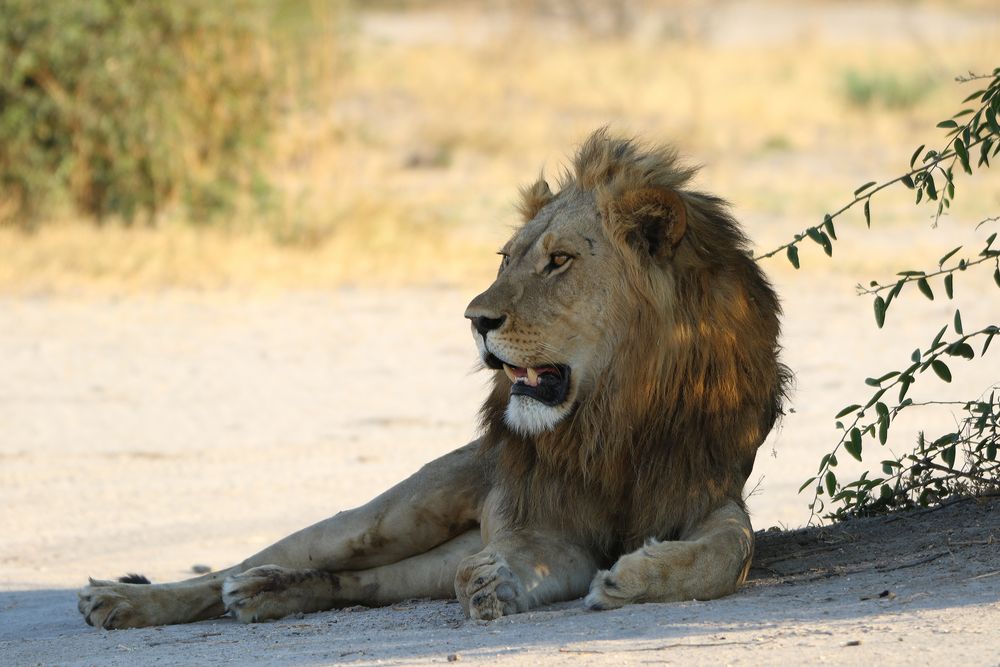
(314, 142)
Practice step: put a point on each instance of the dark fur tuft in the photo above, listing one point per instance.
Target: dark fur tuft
(132, 578)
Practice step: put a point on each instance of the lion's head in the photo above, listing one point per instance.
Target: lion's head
(631, 332)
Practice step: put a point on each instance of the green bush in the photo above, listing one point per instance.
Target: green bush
(886, 89)
(965, 460)
(122, 108)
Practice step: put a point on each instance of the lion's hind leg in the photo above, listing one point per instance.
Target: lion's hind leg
(435, 505)
(132, 602)
(708, 563)
(269, 591)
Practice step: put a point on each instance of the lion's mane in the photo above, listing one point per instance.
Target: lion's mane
(672, 428)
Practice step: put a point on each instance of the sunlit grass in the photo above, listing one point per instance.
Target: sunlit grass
(400, 161)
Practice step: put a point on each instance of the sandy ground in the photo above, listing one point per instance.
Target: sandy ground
(153, 433)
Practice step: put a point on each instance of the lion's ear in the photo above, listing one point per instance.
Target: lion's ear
(533, 198)
(651, 219)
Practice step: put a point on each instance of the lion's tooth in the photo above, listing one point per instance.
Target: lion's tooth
(532, 377)
(510, 373)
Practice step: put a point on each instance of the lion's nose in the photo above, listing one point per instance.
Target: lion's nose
(486, 324)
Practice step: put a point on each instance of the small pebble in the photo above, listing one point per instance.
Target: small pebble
(200, 569)
(454, 657)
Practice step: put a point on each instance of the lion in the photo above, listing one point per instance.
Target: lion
(633, 346)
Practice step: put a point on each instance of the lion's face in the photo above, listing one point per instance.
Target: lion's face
(545, 321)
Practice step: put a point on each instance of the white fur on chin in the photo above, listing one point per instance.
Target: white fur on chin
(529, 417)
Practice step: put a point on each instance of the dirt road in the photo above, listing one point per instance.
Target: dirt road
(154, 433)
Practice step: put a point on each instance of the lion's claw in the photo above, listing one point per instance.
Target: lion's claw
(488, 588)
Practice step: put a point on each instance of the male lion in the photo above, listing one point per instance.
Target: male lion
(633, 343)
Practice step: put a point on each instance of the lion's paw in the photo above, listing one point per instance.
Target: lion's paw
(614, 588)
(268, 592)
(488, 588)
(112, 605)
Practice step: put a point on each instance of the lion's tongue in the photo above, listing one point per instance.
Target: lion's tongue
(528, 376)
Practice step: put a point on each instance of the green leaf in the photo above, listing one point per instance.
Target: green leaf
(996, 277)
(930, 187)
(963, 350)
(888, 466)
(869, 184)
(806, 483)
(828, 225)
(949, 285)
(883, 422)
(907, 180)
(941, 369)
(958, 323)
(986, 345)
(897, 289)
(948, 256)
(991, 120)
(879, 311)
(915, 357)
(948, 456)
(868, 213)
(963, 156)
(853, 446)
(947, 124)
(916, 154)
(887, 376)
(937, 338)
(831, 482)
(826, 243)
(925, 288)
(946, 439)
(793, 255)
(904, 386)
(848, 410)
(878, 394)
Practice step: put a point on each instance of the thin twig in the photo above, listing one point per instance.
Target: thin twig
(914, 563)
(868, 195)
(663, 647)
(983, 576)
(862, 290)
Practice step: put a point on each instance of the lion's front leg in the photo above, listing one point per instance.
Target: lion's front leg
(710, 562)
(522, 570)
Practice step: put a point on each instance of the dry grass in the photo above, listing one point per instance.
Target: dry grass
(402, 165)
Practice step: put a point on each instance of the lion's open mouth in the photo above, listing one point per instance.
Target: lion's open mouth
(546, 384)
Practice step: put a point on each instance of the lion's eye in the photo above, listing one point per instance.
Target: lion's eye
(558, 260)
(504, 260)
